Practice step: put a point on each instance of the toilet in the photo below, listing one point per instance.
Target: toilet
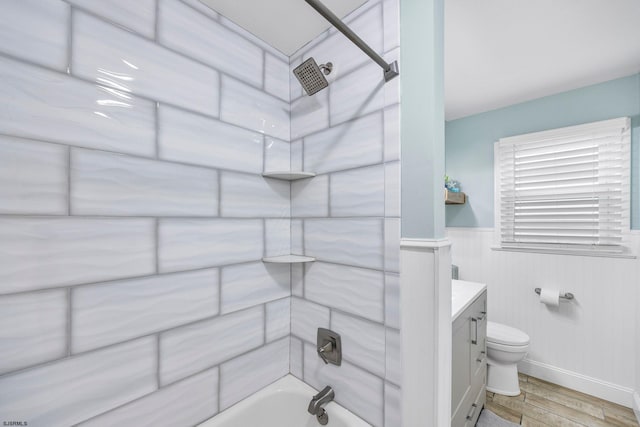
(506, 346)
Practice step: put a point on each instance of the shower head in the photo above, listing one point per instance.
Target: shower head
(311, 75)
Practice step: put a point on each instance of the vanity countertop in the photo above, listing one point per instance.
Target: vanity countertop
(462, 295)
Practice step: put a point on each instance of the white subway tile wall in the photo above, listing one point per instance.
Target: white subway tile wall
(187, 402)
(192, 138)
(190, 349)
(244, 375)
(34, 328)
(247, 285)
(33, 177)
(107, 313)
(134, 215)
(348, 217)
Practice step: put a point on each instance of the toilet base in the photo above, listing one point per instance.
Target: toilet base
(502, 379)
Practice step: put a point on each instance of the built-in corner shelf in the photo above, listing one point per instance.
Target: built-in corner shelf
(288, 259)
(453, 198)
(288, 176)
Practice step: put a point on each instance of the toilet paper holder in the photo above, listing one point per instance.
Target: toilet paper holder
(566, 295)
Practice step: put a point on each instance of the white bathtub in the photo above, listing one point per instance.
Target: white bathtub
(282, 404)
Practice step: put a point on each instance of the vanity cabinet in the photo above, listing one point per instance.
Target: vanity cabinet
(469, 365)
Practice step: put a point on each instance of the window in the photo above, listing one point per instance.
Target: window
(565, 190)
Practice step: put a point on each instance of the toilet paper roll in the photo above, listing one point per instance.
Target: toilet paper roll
(550, 297)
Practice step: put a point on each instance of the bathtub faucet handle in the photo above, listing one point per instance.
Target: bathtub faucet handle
(329, 346)
(322, 351)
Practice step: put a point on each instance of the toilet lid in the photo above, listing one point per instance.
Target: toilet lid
(503, 334)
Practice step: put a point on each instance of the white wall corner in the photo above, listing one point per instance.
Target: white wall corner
(425, 306)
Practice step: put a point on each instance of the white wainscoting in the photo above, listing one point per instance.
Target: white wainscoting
(587, 344)
(425, 325)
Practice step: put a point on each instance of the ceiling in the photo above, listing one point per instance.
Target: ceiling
(286, 25)
(501, 52)
(497, 52)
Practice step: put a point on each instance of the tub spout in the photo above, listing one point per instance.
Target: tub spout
(325, 396)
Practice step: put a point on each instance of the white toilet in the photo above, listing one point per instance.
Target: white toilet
(506, 346)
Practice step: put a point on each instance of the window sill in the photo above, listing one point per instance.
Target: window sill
(566, 252)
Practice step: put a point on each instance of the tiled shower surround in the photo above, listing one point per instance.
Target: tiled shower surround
(133, 214)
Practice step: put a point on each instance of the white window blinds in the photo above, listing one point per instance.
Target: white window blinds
(565, 189)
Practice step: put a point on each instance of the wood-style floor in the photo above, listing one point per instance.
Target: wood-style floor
(543, 404)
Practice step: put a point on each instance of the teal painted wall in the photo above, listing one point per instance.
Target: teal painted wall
(422, 118)
(469, 140)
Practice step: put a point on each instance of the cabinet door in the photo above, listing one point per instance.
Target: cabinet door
(461, 372)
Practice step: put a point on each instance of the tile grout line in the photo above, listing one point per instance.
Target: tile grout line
(147, 158)
(219, 291)
(131, 278)
(219, 190)
(329, 193)
(264, 71)
(157, 244)
(264, 324)
(220, 96)
(156, 23)
(264, 154)
(156, 119)
(264, 237)
(158, 361)
(218, 397)
(69, 181)
(210, 218)
(70, 40)
(69, 326)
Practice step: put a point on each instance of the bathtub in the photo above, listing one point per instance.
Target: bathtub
(282, 404)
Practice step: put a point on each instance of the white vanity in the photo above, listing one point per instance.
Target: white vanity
(469, 365)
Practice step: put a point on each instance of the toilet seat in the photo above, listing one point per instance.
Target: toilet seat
(507, 348)
(500, 335)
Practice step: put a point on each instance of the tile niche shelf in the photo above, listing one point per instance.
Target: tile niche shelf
(288, 176)
(288, 259)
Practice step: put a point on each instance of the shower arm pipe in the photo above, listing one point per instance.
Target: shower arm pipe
(390, 70)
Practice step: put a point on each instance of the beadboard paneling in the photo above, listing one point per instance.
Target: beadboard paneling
(562, 337)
